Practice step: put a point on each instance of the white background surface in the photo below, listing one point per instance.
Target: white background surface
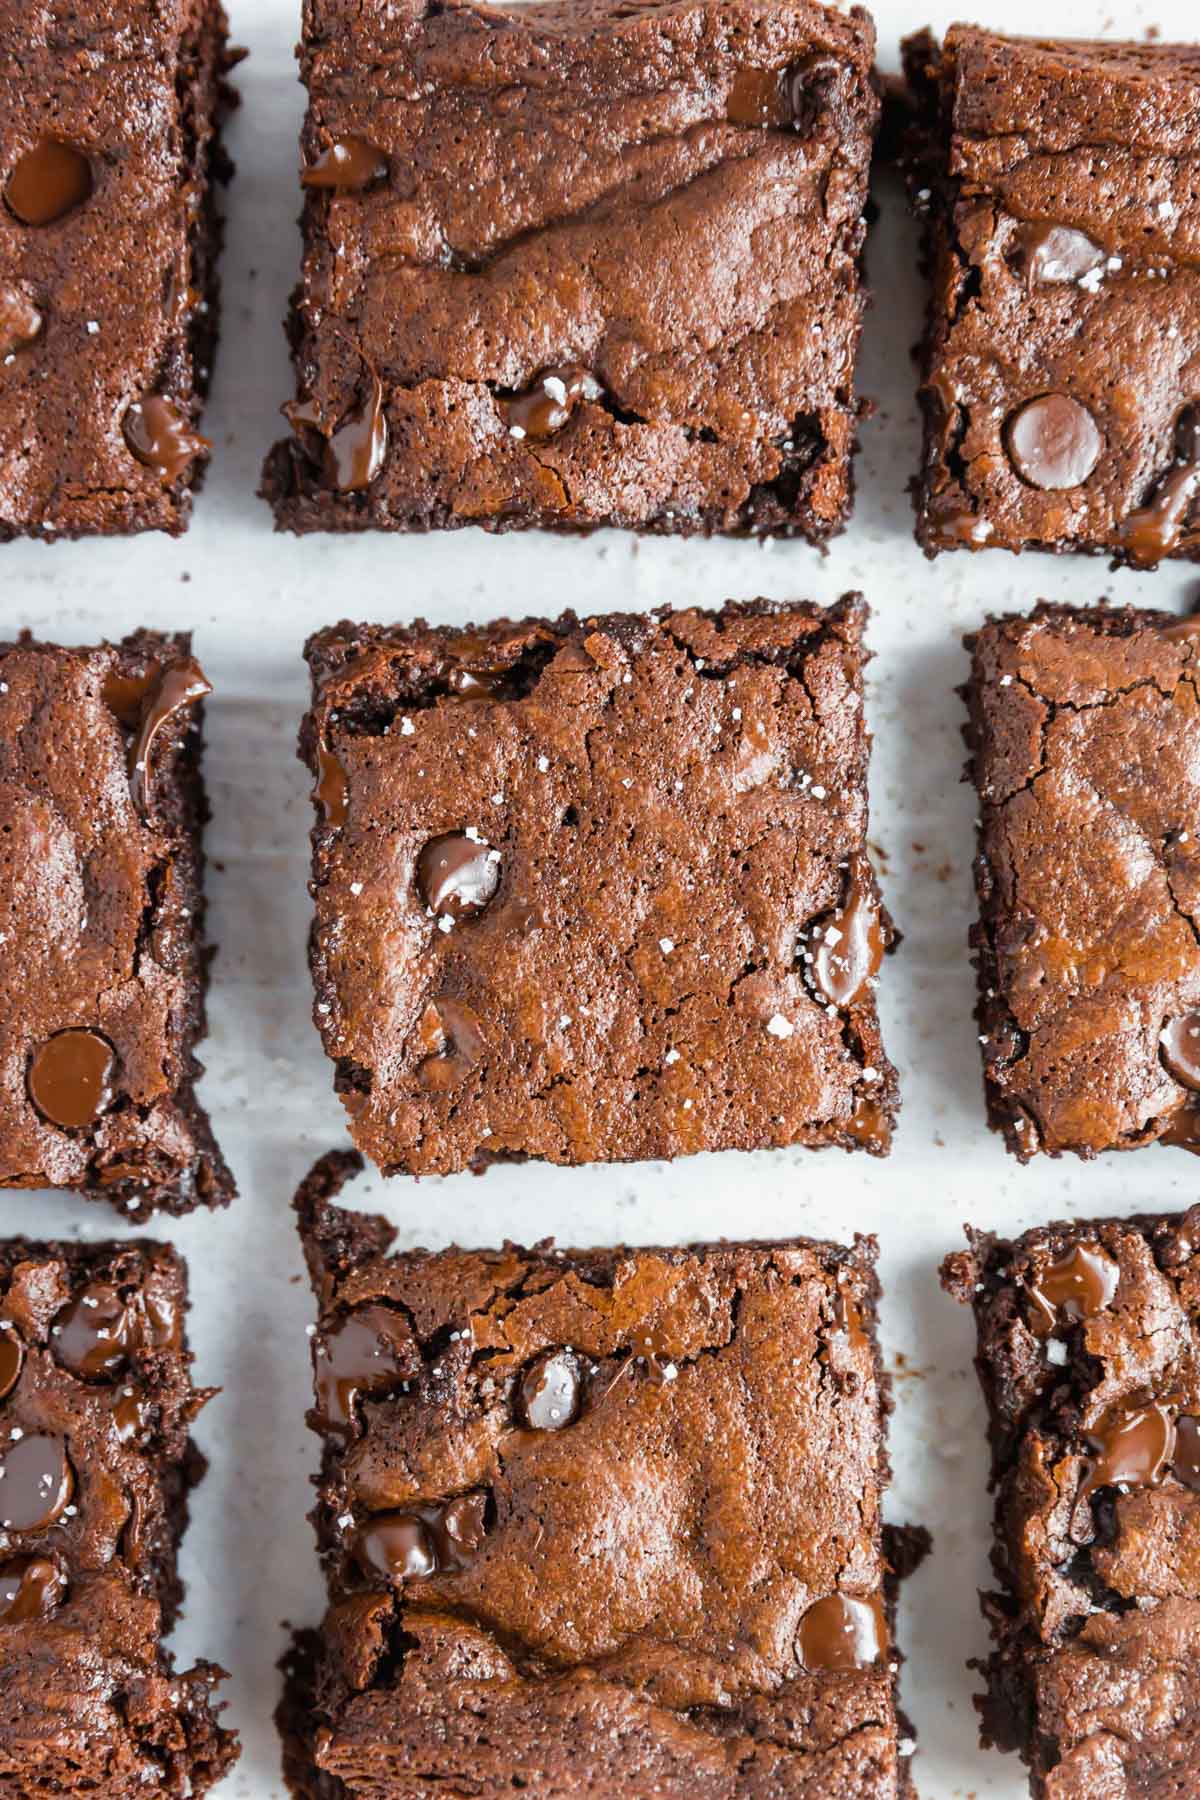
(251, 599)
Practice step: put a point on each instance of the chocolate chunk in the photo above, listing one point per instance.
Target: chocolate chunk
(423, 1541)
(20, 320)
(36, 1482)
(70, 1078)
(842, 1632)
(30, 1588)
(460, 1044)
(848, 948)
(355, 452)
(1186, 1461)
(545, 406)
(551, 1391)
(457, 875)
(178, 687)
(160, 436)
(333, 789)
(346, 164)
(367, 1353)
(12, 1355)
(475, 684)
(125, 695)
(1132, 1447)
(1154, 530)
(1057, 254)
(96, 1332)
(1053, 442)
(48, 182)
(1179, 1048)
(759, 97)
(1076, 1286)
(131, 1416)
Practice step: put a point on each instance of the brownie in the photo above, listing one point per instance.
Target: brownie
(108, 247)
(577, 263)
(103, 966)
(95, 1467)
(1061, 377)
(1085, 743)
(1089, 1352)
(599, 1523)
(596, 890)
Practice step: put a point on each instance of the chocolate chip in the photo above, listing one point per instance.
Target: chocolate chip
(546, 405)
(847, 947)
(348, 163)
(458, 1042)
(161, 437)
(356, 451)
(96, 1332)
(36, 1482)
(1053, 442)
(31, 1588)
(333, 788)
(70, 1078)
(457, 875)
(1179, 1048)
(367, 1352)
(125, 695)
(842, 1632)
(48, 182)
(424, 1540)
(1131, 1446)
(178, 687)
(130, 1417)
(12, 1355)
(1186, 1462)
(1154, 530)
(1075, 1286)
(20, 320)
(1057, 254)
(551, 1391)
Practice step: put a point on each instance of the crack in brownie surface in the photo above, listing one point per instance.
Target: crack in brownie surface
(601, 1522)
(1085, 739)
(597, 890)
(1088, 1359)
(637, 300)
(1061, 375)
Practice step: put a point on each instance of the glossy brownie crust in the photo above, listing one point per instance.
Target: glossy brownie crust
(96, 1461)
(121, 289)
(1088, 1338)
(637, 1608)
(662, 199)
(103, 966)
(666, 817)
(1085, 748)
(1058, 181)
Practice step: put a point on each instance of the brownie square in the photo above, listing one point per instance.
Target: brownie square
(1061, 386)
(103, 967)
(95, 1467)
(599, 1523)
(597, 890)
(1088, 1354)
(578, 263)
(108, 245)
(1085, 743)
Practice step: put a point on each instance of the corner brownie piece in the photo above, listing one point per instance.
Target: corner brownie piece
(1085, 741)
(95, 1467)
(1089, 1352)
(597, 890)
(577, 263)
(599, 1523)
(103, 967)
(1061, 385)
(108, 246)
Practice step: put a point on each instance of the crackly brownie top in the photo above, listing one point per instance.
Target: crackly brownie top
(597, 889)
(100, 970)
(97, 146)
(1086, 747)
(1088, 1337)
(95, 1404)
(1063, 381)
(612, 314)
(606, 1516)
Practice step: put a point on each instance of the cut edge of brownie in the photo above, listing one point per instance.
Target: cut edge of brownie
(182, 800)
(997, 1025)
(424, 657)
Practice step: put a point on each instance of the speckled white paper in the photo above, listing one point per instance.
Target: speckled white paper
(251, 599)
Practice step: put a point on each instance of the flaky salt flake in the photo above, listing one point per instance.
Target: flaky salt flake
(445, 923)
(670, 1372)
(672, 1056)
(1056, 1353)
(543, 764)
(666, 945)
(779, 1027)
(356, 887)
(407, 728)
(870, 1072)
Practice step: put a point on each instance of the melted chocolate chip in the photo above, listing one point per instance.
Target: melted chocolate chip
(424, 1540)
(346, 164)
(1057, 254)
(48, 182)
(1179, 1048)
(1187, 1451)
(1131, 1447)
(30, 1589)
(758, 97)
(96, 1332)
(545, 406)
(70, 1078)
(1183, 1130)
(867, 1124)
(12, 1355)
(551, 1391)
(130, 1416)
(368, 1352)
(457, 876)
(355, 452)
(333, 788)
(1076, 1286)
(849, 946)
(475, 684)
(125, 695)
(178, 687)
(1053, 442)
(458, 1044)
(20, 320)
(842, 1632)
(161, 437)
(1154, 530)
(36, 1482)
